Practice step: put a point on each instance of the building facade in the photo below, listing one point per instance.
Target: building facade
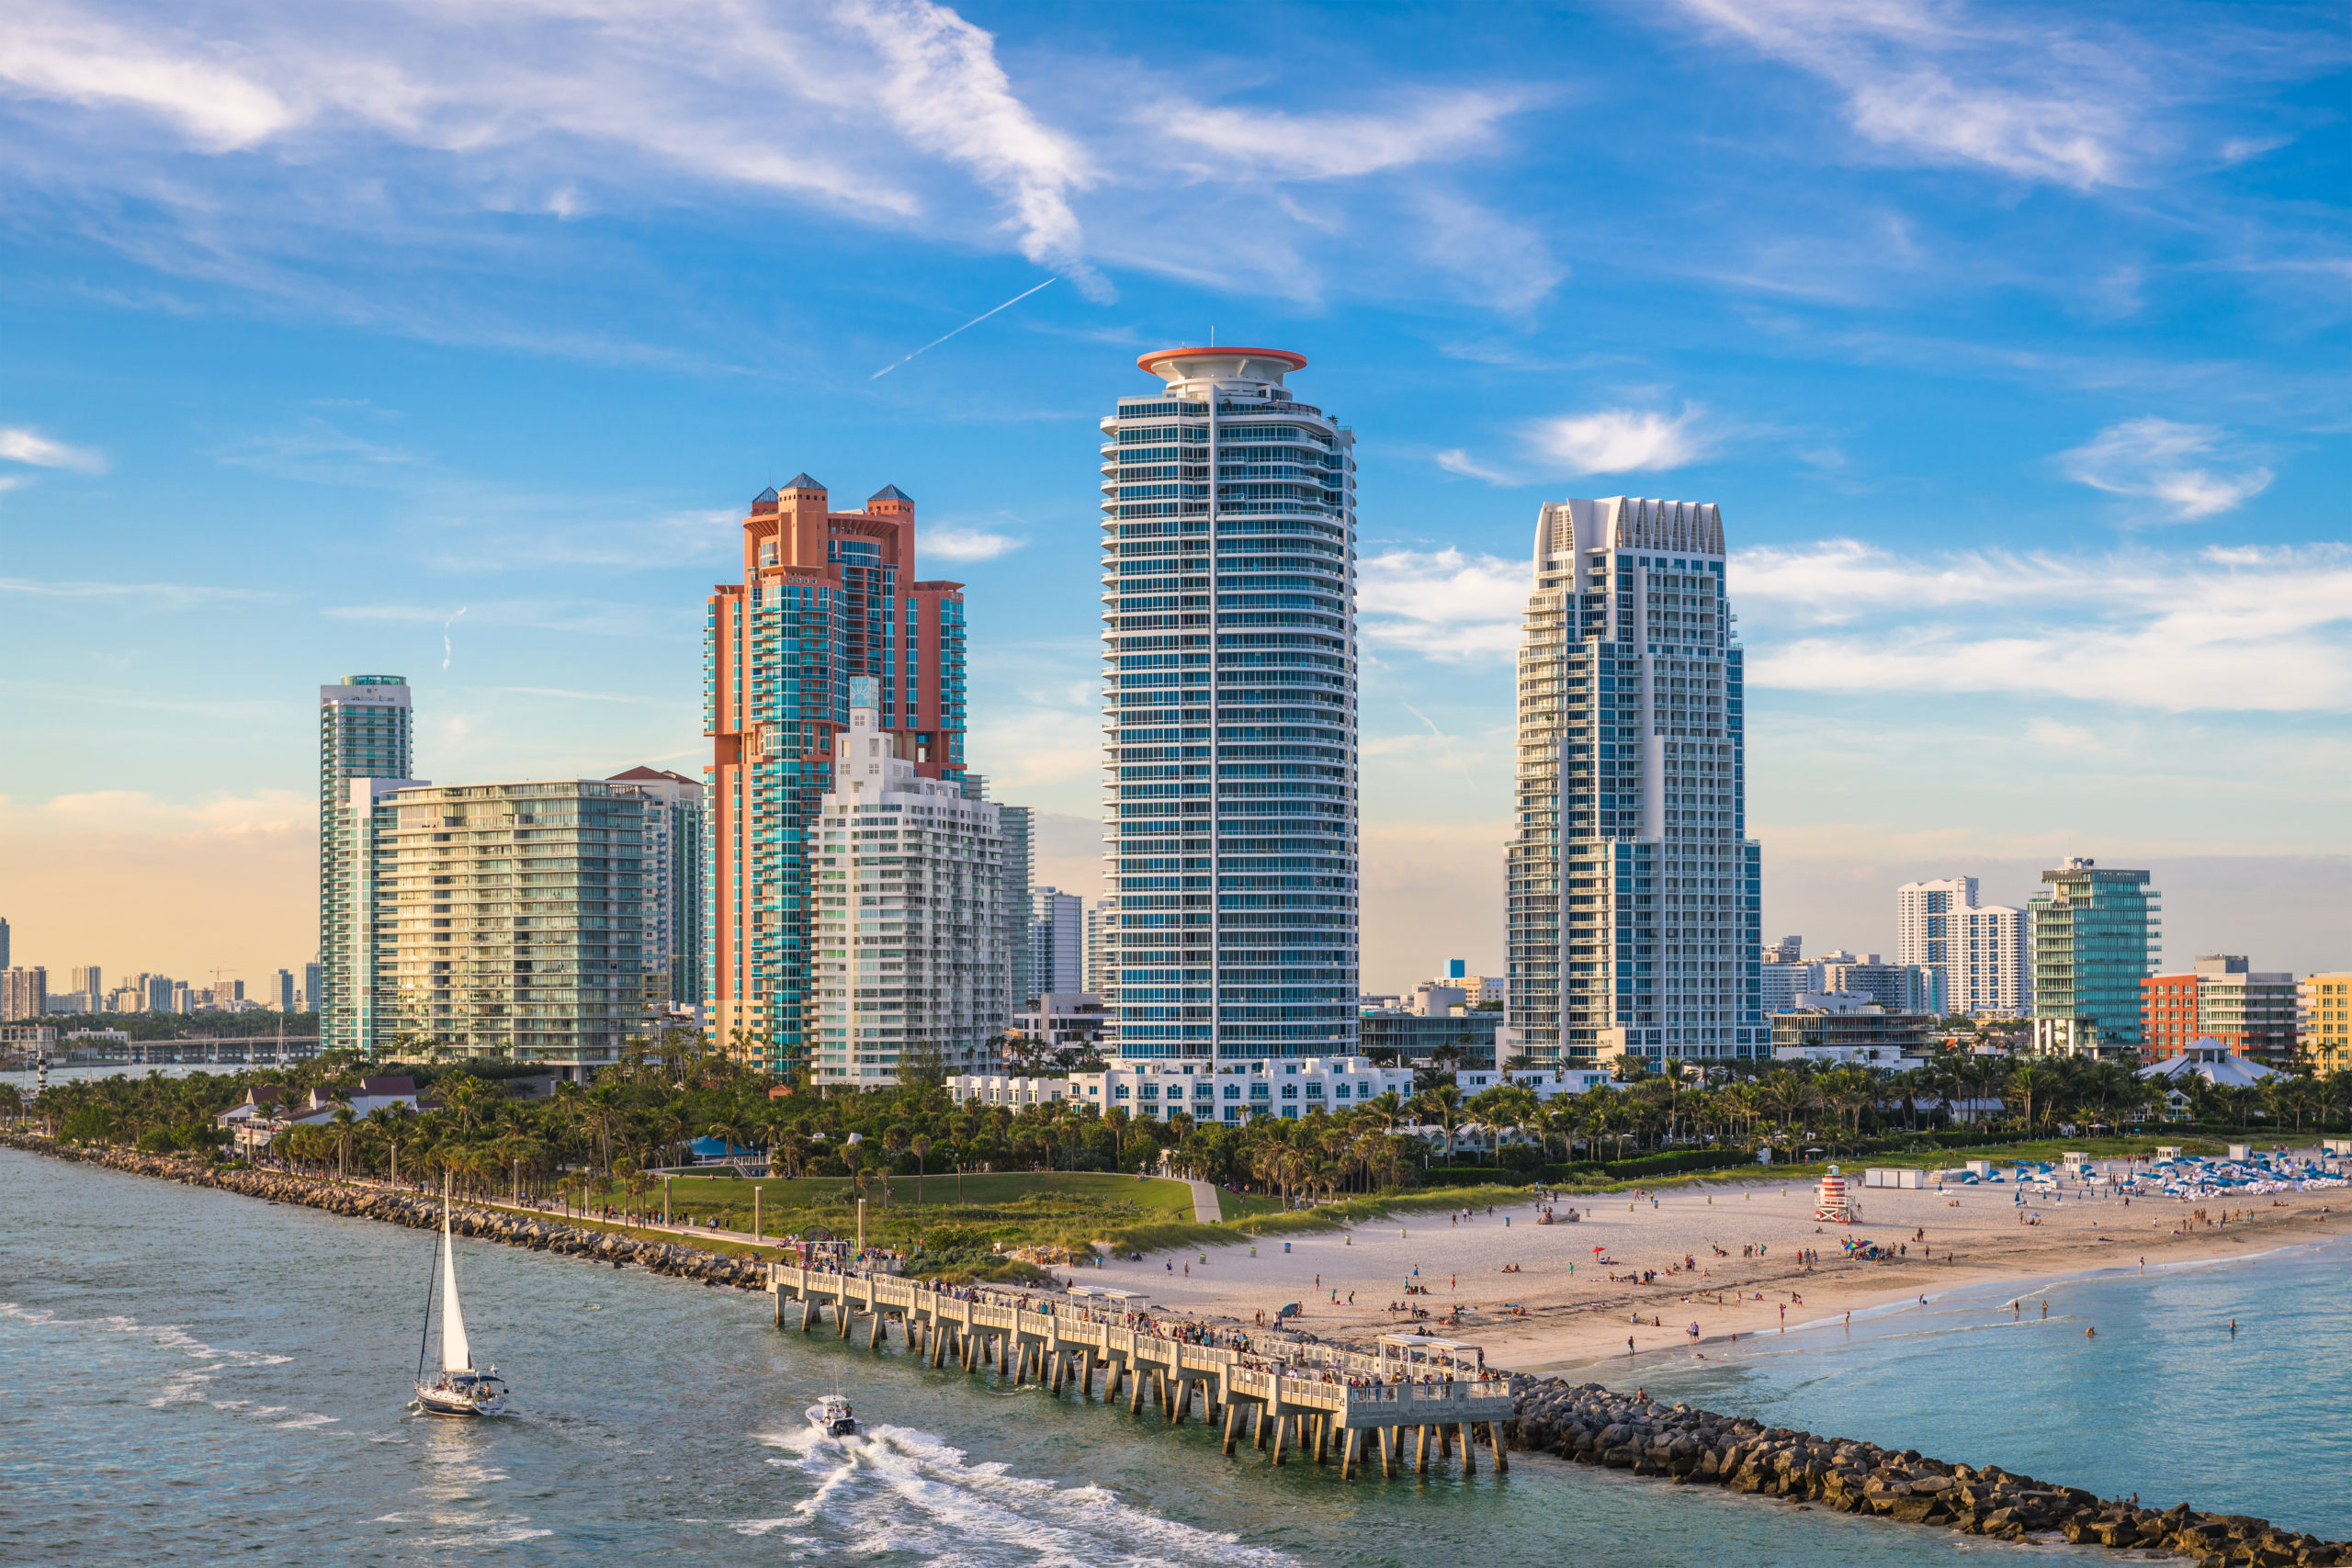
(1016, 828)
(2093, 940)
(2323, 1024)
(1976, 950)
(365, 732)
(1839, 1029)
(1779, 985)
(24, 992)
(1410, 1038)
(1099, 918)
(2220, 999)
(826, 597)
(1898, 988)
(1229, 703)
(516, 921)
(1056, 942)
(1238, 1091)
(909, 939)
(676, 837)
(1063, 1021)
(1635, 895)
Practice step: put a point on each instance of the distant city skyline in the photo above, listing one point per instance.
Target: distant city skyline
(2030, 411)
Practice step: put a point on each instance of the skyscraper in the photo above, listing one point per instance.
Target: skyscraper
(1635, 898)
(311, 985)
(1056, 942)
(1016, 831)
(2093, 940)
(363, 733)
(89, 980)
(3, 944)
(281, 991)
(1976, 950)
(24, 993)
(1099, 917)
(826, 596)
(674, 840)
(1229, 700)
(910, 935)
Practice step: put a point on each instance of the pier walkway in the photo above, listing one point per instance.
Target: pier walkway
(1312, 1399)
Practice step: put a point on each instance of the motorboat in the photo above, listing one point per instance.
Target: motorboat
(458, 1388)
(833, 1416)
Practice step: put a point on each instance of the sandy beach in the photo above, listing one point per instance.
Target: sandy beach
(1746, 1238)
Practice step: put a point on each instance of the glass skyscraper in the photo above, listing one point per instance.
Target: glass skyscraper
(1634, 896)
(2093, 940)
(1229, 704)
(825, 597)
(363, 733)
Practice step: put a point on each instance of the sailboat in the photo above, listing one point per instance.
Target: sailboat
(459, 1390)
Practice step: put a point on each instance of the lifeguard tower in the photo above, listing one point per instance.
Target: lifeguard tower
(1830, 1202)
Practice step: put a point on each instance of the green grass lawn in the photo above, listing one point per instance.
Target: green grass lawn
(957, 1236)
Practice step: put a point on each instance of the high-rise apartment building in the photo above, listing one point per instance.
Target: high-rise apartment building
(281, 991)
(910, 934)
(1976, 950)
(1778, 984)
(2323, 1024)
(311, 985)
(826, 597)
(24, 993)
(675, 842)
(365, 732)
(3, 944)
(160, 992)
(1788, 950)
(1897, 988)
(1056, 942)
(2093, 938)
(2221, 999)
(513, 919)
(1634, 895)
(1099, 917)
(1016, 831)
(1230, 706)
(90, 981)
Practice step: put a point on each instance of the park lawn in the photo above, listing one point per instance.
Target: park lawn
(999, 1213)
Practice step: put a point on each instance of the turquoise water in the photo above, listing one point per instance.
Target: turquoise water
(2165, 1401)
(188, 1375)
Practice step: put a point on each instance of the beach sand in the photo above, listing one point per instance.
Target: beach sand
(1577, 1315)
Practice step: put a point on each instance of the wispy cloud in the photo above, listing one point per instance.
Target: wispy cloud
(1443, 605)
(1618, 441)
(1276, 145)
(2159, 461)
(597, 617)
(1949, 84)
(952, 542)
(2234, 630)
(176, 595)
(21, 445)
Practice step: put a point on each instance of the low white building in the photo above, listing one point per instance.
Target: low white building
(1239, 1090)
(1005, 1088)
(1545, 1083)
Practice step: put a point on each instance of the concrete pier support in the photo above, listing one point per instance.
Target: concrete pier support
(1388, 1439)
(1469, 1452)
(1258, 1430)
(1422, 1450)
(1232, 1425)
(1495, 1441)
(1281, 1422)
(1322, 1437)
(1350, 1440)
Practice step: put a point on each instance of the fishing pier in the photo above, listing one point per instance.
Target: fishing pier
(1316, 1401)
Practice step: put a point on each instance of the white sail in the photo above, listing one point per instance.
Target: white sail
(457, 1356)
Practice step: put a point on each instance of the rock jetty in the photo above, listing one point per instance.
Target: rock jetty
(421, 1213)
(1591, 1425)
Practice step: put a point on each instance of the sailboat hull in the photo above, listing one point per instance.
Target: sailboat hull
(478, 1401)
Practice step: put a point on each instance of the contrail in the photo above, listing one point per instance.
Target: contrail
(445, 635)
(975, 321)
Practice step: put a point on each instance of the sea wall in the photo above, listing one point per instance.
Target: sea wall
(1584, 1423)
(1587, 1424)
(418, 1212)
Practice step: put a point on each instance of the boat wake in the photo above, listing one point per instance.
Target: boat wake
(909, 1494)
(189, 1385)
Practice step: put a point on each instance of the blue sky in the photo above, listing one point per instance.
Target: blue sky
(451, 341)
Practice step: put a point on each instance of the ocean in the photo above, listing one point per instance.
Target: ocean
(190, 1375)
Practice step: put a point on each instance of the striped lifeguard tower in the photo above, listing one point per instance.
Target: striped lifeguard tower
(1829, 1199)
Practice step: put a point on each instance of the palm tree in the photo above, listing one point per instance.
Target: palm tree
(920, 1145)
(1442, 1104)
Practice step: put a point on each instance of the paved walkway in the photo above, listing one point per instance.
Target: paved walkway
(1204, 1202)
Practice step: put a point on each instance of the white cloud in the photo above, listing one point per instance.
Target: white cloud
(21, 445)
(1504, 264)
(2156, 459)
(1618, 441)
(2265, 629)
(56, 52)
(1455, 460)
(1951, 84)
(944, 89)
(953, 542)
(179, 596)
(1443, 605)
(1334, 146)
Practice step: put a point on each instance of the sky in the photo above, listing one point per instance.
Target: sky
(452, 342)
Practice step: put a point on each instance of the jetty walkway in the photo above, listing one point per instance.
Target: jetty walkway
(1312, 1398)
